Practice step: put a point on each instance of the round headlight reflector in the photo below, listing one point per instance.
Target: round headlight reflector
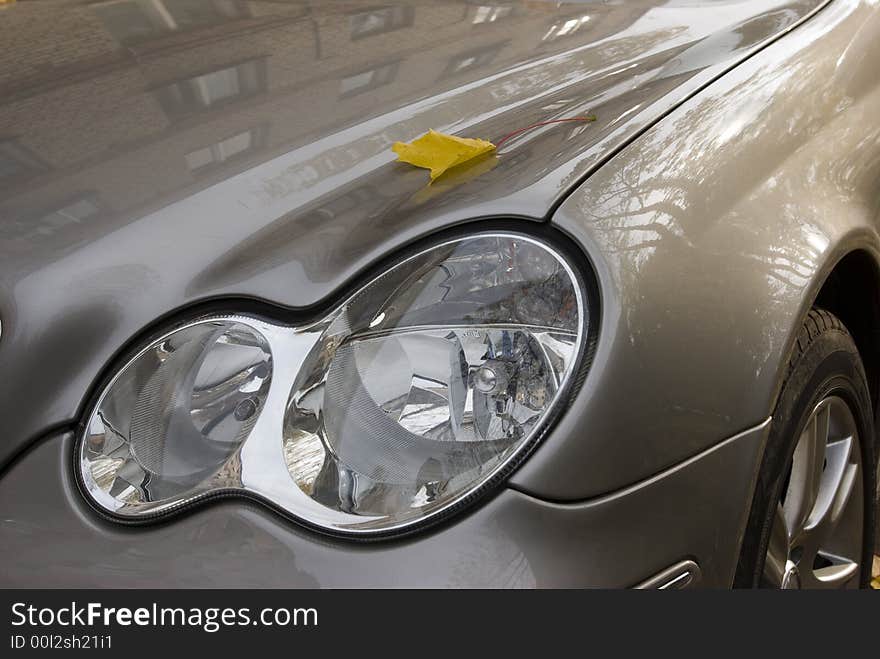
(176, 415)
(432, 379)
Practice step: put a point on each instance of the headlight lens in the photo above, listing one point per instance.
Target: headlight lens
(407, 398)
(177, 414)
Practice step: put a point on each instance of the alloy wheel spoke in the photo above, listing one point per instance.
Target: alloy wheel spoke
(836, 575)
(806, 471)
(837, 488)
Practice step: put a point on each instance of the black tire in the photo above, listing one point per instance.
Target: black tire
(824, 362)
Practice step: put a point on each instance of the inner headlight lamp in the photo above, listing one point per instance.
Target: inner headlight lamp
(422, 389)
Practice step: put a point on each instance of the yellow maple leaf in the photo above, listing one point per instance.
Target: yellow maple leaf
(439, 152)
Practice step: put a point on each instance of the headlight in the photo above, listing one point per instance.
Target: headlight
(423, 388)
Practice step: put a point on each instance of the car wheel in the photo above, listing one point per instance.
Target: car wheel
(812, 516)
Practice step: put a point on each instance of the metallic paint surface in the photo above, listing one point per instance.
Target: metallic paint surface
(711, 236)
(113, 219)
(696, 510)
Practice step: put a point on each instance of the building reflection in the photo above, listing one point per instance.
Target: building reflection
(117, 107)
(134, 21)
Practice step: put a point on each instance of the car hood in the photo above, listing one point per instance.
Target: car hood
(156, 153)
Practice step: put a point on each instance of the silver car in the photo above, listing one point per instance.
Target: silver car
(636, 343)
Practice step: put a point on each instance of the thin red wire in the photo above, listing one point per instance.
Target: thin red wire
(538, 125)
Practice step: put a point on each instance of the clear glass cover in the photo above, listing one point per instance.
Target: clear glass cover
(403, 400)
(427, 382)
(177, 414)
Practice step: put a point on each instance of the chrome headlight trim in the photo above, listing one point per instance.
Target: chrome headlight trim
(262, 473)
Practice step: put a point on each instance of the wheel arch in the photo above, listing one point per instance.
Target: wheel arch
(851, 291)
